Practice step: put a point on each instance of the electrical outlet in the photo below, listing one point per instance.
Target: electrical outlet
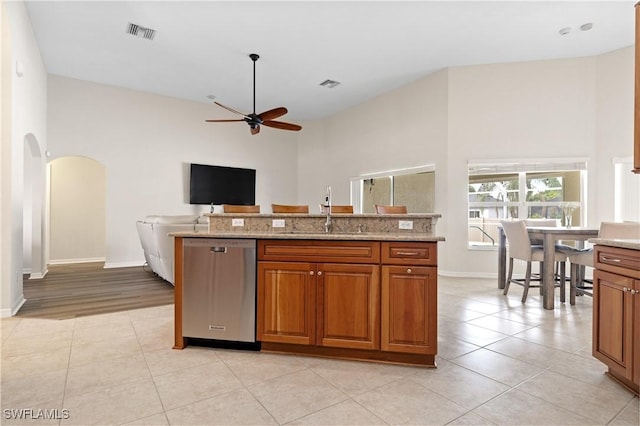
(277, 223)
(405, 224)
(237, 222)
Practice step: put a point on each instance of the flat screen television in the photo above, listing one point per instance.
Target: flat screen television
(222, 185)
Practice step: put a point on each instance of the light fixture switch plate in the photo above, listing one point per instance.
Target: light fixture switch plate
(277, 223)
(237, 222)
(405, 224)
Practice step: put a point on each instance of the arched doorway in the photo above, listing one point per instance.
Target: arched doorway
(77, 213)
(33, 229)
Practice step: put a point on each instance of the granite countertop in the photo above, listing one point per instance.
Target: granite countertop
(633, 244)
(344, 227)
(322, 215)
(284, 235)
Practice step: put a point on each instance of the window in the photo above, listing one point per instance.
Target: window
(522, 190)
(413, 187)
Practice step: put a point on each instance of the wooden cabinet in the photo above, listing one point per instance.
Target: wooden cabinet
(616, 313)
(287, 300)
(348, 306)
(319, 304)
(324, 293)
(409, 309)
(409, 298)
(365, 300)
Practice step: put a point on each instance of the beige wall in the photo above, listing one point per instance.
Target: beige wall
(146, 143)
(542, 109)
(401, 129)
(77, 210)
(27, 98)
(7, 257)
(613, 129)
(528, 110)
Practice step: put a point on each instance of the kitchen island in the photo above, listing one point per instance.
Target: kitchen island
(364, 289)
(616, 309)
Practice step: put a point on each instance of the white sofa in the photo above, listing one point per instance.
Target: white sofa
(156, 243)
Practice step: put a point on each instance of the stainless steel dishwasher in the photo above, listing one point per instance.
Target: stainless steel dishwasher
(219, 291)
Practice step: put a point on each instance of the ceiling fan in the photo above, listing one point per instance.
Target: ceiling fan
(255, 120)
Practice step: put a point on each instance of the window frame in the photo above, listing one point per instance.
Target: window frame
(357, 182)
(522, 168)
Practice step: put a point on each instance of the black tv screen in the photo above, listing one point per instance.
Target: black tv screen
(222, 185)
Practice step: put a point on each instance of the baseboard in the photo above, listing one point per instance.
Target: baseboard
(109, 265)
(38, 275)
(9, 312)
(453, 274)
(69, 261)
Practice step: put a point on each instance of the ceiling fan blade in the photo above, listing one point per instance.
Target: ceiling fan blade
(229, 109)
(272, 113)
(223, 121)
(282, 125)
(255, 120)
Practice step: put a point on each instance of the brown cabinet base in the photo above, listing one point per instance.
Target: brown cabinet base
(616, 309)
(323, 298)
(353, 354)
(633, 387)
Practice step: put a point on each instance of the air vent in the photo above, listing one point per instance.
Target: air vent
(139, 31)
(330, 84)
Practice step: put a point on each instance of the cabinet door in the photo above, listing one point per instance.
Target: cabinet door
(409, 309)
(286, 302)
(349, 306)
(636, 332)
(612, 321)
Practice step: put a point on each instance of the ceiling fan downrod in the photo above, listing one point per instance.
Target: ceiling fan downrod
(266, 118)
(254, 57)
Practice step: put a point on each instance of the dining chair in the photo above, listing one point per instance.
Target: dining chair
(284, 208)
(336, 209)
(551, 223)
(236, 208)
(579, 285)
(390, 209)
(520, 247)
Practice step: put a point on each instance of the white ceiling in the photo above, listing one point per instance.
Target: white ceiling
(201, 48)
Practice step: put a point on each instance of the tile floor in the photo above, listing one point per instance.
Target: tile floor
(499, 362)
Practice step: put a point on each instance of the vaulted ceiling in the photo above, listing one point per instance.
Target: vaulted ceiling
(201, 48)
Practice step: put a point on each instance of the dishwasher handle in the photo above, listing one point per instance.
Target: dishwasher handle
(218, 249)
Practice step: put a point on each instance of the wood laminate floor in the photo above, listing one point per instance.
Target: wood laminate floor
(70, 291)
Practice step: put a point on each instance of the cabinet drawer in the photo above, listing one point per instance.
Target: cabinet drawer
(618, 260)
(409, 253)
(319, 251)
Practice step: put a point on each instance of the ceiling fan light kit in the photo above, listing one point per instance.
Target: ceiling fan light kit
(256, 120)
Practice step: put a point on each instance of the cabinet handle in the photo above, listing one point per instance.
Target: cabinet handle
(611, 259)
(625, 289)
(407, 253)
(310, 272)
(408, 270)
(319, 273)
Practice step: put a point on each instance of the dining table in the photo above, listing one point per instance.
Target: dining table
(549, 235)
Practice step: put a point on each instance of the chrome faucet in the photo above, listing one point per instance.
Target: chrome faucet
(328, 225)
